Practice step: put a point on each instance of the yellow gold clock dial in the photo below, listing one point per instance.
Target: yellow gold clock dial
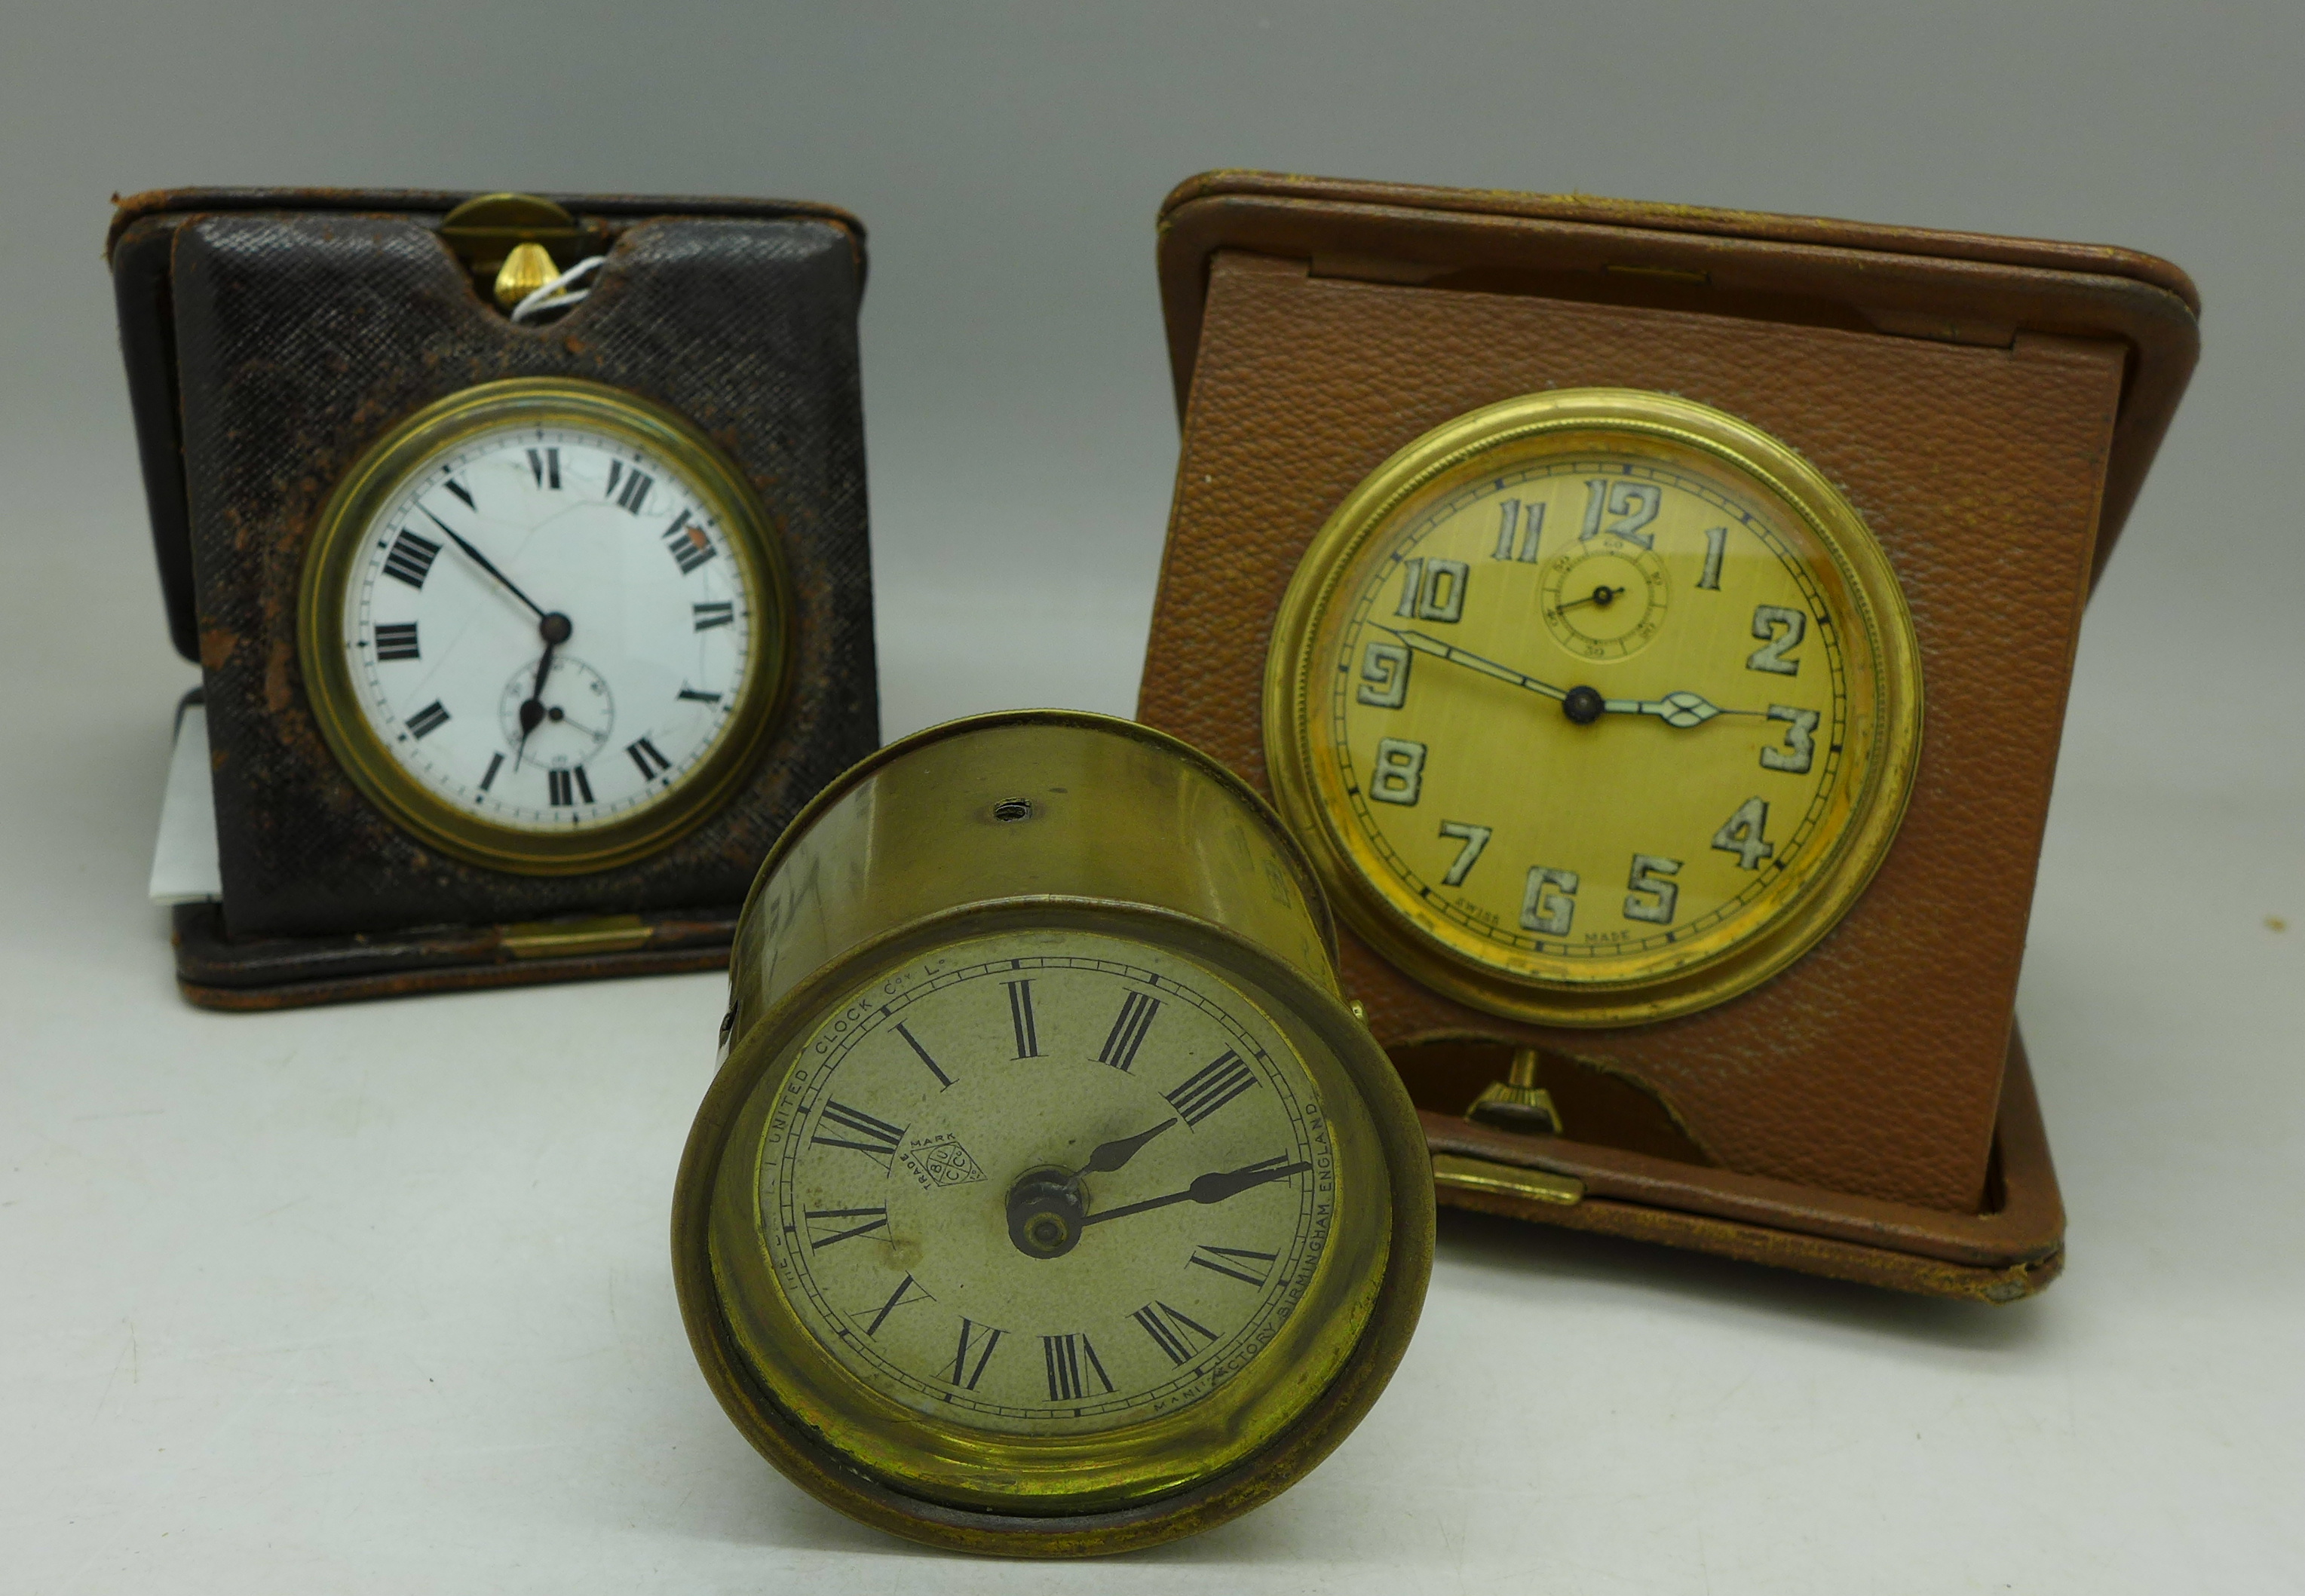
(1600, 706)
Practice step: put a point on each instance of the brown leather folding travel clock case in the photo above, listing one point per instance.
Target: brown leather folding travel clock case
(521, 541)
(1657, 623)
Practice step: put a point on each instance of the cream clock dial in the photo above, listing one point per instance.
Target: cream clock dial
(544, 625)
(1600, 706)
(1050, 1184)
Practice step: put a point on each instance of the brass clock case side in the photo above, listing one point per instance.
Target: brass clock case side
(328, 565)
(1750, 958)
(1262, 886)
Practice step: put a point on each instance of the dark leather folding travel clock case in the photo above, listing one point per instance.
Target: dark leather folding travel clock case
(1867, 1112)
(271, 337)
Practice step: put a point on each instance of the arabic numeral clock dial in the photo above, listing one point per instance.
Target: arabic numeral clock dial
(1030, 1219)
(544, 625)
(1596, 707)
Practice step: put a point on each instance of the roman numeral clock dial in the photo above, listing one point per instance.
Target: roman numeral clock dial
(1055, 1186)
(1597, 706)
(544, 625)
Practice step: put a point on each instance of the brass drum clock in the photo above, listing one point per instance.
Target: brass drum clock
(1595, 706)
(544, 625)
(1050, 1199)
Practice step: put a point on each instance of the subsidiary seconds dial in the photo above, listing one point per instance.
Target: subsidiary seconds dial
(546, 625)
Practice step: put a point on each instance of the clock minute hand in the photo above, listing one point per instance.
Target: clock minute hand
(1213, 1187)
(1682, 710)
(482, 560)
(1471, 661)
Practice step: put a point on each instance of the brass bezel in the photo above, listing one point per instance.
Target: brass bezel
(1876, 806)
(329, 565)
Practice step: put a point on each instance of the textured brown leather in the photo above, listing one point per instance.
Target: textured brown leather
(2012, 1249)
(1873, 1067)
(1960, 287)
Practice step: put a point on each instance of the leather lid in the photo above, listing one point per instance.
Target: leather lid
(1962, 287)
(138, 248)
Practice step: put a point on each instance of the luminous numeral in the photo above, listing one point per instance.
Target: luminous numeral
(908, 1292)
(565, 786)
(1548, 906)
(1171, 1331)
(411, 559)
(969, 1342)
(1649, 881)
(1800, 741)
(636, 489)
(1741, 834)
(825, 1224)
(1433, 589)
(431, 719)
(1634, 504)
(1784, 629)
(709, 616)
(1474, 838)
(397, 642)
(1020, 1017)
(1065, 1355)
(1512, 511)
(496, 763)
(884, 1136)
(1386, 665)
(645, 755)
(544, 465)
(1237, 1263)
(1212, 1088)
(1716, 542)
(687, 545)
(1398, 775)
(913, 1042)
(1128, 1033)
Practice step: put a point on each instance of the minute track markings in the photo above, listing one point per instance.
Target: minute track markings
(1089, 1375)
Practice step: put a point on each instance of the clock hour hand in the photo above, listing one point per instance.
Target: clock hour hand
(482, 561)
(1213, 1187)
(1487, 667)
(1112, 1155)
(1683, 709)
(556, 630)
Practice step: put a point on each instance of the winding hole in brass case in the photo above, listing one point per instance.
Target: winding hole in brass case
(1229, 888)
(1451, 450)
(541, 401)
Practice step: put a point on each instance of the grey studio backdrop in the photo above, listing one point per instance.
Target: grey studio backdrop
(376, 1298)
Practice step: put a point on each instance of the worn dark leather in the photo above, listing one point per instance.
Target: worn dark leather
(1978, 454)
(300, 339)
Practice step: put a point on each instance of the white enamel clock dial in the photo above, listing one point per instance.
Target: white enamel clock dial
(450, 616)
(552, 623)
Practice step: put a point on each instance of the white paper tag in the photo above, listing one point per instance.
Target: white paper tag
(184, 869)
